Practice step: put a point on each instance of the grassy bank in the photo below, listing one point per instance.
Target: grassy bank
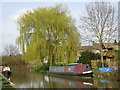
(105, 75)
(5, 85)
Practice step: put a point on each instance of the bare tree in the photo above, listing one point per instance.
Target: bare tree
(100, 24)
(10, 50)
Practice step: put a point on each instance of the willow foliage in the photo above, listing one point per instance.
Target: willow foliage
(48, 33)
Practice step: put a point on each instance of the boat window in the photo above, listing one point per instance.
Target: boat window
(86, 66)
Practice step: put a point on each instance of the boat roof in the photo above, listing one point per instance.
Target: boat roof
(73, 63)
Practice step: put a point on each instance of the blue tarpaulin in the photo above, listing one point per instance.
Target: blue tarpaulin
(107, 69)
(105, 81)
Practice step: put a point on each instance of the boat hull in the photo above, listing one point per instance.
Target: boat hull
(71, 74)
(74, 74)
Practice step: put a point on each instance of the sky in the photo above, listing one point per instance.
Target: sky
(10, 11)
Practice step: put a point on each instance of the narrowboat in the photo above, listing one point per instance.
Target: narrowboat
(75, 69)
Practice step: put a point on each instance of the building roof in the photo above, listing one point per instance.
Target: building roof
(106, 45)
(86, 48)
(96, 46)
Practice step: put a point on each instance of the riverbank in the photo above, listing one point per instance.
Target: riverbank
(5, 83)
(113, 75)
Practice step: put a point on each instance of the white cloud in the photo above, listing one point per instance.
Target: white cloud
(19, 13)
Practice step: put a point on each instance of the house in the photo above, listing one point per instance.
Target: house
(108, 53)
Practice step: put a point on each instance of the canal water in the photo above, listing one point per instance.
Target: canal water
(25, 79)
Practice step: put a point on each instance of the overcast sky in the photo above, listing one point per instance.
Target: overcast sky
(12, 10)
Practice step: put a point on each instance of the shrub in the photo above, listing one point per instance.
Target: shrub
(87, 56)
(40, 68)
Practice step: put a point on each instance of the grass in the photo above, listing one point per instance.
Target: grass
(95, 71)
(5, 86)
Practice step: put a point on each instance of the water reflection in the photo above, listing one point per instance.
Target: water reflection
(25, 79)
(106, 84)
(71, 82)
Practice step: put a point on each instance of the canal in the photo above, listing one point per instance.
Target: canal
(22, 78)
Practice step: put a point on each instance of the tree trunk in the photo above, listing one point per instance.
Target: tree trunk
(53, 59)
(102, 58)
(118, 65)
(101, 51)
(50, 56)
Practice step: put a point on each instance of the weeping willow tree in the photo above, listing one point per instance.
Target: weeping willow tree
(48, 33)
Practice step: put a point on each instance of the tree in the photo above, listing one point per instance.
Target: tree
(100, 24)
(10, 50)
(48, 33)
(87, 56)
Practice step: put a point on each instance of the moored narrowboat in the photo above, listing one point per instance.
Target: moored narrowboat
(76, 69)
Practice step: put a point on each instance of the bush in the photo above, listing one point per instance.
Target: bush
(40, 68)
(87, 56)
